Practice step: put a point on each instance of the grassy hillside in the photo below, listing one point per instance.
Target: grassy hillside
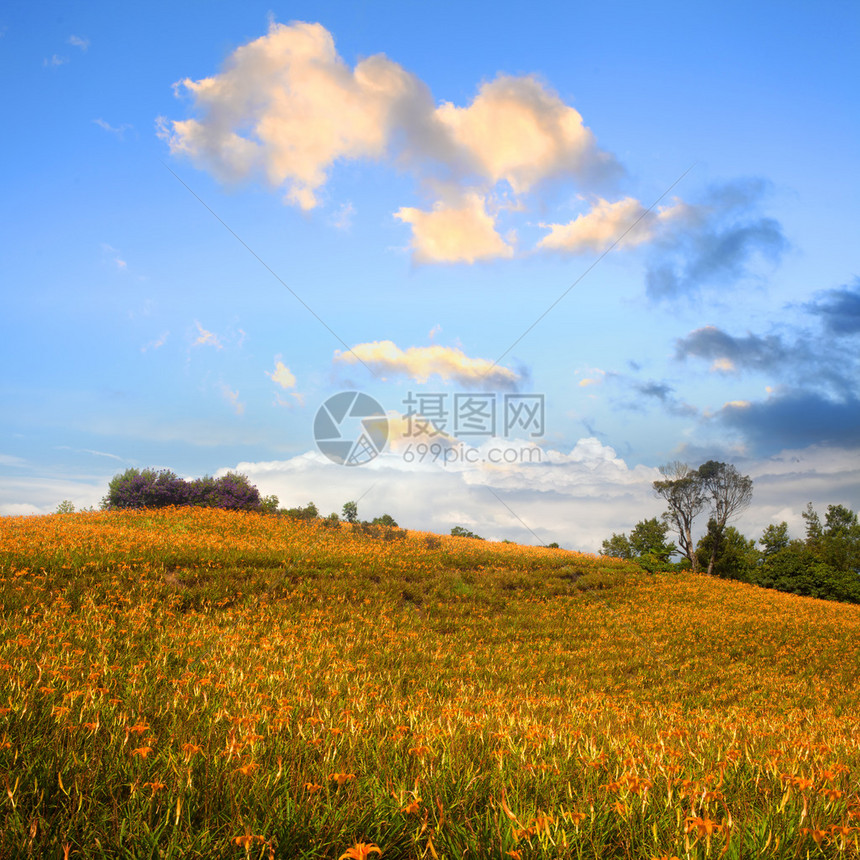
(198, 683)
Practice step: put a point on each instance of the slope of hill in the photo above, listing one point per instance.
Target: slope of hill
(197, 683)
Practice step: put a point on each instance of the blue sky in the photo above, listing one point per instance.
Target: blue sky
(670, 190)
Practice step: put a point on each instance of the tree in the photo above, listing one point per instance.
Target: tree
(729, 493)
(646, 544)
(65, 507)
(717, 486)
(350, 512)
(149, 488)
(737, 557)
(683, 493)
(461, 531)
(773, 539)
(617, 546)
(384, 520)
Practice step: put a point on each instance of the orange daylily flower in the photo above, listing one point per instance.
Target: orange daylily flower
(341, 778)
(412, 807)
(815, 832)
(143, 752)
(360, 851)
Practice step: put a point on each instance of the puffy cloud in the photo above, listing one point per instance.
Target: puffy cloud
(287, 106)
(519, 131)
(421, 362)
(839, 309)
(459, 233)
(606, 223)
(79, 42)
(282, 375)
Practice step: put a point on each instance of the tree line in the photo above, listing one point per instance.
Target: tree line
(825, 564)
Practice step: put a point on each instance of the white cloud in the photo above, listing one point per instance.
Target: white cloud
(596, 230)
(459, 233)
(206, 338)
(78, 42)
(55, 60)
(421, 362)
(517, 130)
(282, 375)
(287, 106)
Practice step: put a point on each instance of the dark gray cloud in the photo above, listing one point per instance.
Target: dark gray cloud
(719, 245)
(795, 419)
(749, 352)
(839, 309)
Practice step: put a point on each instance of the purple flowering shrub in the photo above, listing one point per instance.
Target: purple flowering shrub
(158, 489)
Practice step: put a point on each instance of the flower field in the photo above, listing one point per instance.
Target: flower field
(204, 683)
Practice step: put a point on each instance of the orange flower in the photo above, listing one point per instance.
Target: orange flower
(816, 833)
(246, 841)
(312, 787)
(412, 807)
(341, 778)
(360, 851)
(143, 752)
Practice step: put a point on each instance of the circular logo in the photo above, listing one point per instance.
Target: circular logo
(350, 428)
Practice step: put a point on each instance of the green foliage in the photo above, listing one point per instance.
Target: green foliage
(269, 504)
(646, 545)
(350, 512)
(65, 507)
(825, 565)
(384, 520)
(735, 556)
(461, 531)
(309, 512)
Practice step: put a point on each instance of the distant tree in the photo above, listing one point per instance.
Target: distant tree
(350, 512)
(618, 546)
(685, 496)
(729, 494)
(309, 512)
(157, 489)
(384, 520)
(553, 545)
(773, 539)
(718, 487)
(461, 531)
(269, 504)
(65, 507)
(145, 489)
(735, 558)
(647, 544)
(237, 493)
